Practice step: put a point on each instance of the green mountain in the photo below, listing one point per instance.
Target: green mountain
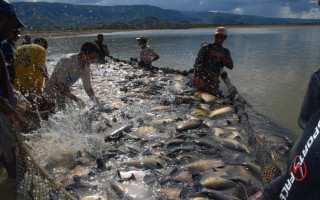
(51, 16)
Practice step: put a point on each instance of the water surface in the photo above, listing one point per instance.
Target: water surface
(272, 66)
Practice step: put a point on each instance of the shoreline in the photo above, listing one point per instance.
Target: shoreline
(59, 33)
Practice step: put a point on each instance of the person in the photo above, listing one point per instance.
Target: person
(68, 70)
(8, 47)
(9, 117)
(147, 54)
(311, 100)
(31, 72)
(27, 40)
(300, 180)
(103, 50)
(209, 63)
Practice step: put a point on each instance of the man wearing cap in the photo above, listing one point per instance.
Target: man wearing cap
(210, 61)
(147, 54)
(9, 117)
(8, 47)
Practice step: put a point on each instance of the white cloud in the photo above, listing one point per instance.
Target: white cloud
(238, 11)
(287, 13)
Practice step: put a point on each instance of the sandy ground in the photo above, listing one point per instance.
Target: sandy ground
(48, 34)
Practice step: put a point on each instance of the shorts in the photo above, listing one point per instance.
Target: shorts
(201, 85)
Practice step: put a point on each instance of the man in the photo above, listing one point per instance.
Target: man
(8, 47)
(301, 179)
(210, 61)
(68, 70)
(311, 100)
(103, 50)
(147, 54)
(9, 117)
(31, 72)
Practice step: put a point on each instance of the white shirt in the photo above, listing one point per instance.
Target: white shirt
(147, 54)
(68, 71)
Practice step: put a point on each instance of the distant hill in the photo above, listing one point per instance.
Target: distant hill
(51, 16)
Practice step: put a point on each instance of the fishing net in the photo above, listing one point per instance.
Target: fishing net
(270, 151)
(268, 140)
(34, 182)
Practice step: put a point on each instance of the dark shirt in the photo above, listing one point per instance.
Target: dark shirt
(8, 51)
(6, 90)
(302, 178)
(311, 99)
(103, 52)
(209, 62)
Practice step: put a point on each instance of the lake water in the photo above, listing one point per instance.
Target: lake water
(272, 66)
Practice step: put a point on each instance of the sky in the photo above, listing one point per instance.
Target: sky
(304, 9)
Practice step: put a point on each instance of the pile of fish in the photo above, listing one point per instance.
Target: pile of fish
(154, 138)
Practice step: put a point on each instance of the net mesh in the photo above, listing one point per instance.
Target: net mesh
(34, 182)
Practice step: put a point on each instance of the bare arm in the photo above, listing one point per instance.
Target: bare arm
(64, 90)
(44, 72)
(92, 96)
(225, 62)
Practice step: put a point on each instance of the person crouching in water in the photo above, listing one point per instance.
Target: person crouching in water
(68, 70)
(209, 63)
(31, 73)
(147, 54)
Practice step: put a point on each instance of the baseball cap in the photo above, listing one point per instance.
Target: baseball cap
(221, 31)
(143, 38)
(7, 7)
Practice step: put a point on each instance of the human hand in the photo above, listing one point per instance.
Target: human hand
(214, 54)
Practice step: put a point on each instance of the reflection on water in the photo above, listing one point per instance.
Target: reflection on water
(272, 65)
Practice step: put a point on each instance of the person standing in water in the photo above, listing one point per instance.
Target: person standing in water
(147, 54)
(9, 117)
(209, 63)
(103, 50)
(8, 47)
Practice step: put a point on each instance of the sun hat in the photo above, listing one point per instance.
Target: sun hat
(143, 38)
(221, 31)
(7, 7)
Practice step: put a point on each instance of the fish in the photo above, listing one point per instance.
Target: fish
(232, 145)
(170, 193)
(136, 174)
(203, 165)
(191, 124)
(95, 197)
(131, 191)
(217, 183)
(207, 97)
(160, 108)
(221, 111)
(117, 133)
(146, 162)
(255, 169)
(216, 195)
